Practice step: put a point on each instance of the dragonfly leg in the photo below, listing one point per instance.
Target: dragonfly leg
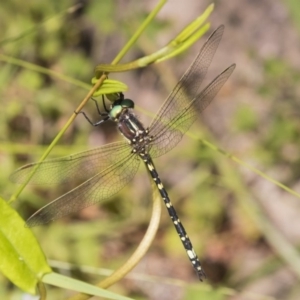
(98, 109)
(106, 118)
(105, 115)
(104, 105)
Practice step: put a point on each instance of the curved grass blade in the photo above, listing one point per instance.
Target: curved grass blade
(80, 286)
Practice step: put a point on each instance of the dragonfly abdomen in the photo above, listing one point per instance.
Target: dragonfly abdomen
(187, 244)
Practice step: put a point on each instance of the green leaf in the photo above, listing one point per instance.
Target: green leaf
(80, 286)
(22, 260)
(109, 86)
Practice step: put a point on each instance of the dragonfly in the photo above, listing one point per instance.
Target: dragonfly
(104, 171)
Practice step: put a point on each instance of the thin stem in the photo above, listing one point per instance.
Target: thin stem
(253, 169)
(42, 291)
(42, 70)
(139, 32)
(89, 95)
(59, 135)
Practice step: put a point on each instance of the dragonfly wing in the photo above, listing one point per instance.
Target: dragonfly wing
(96, 189)
(73, 168)
(171, 134)
(187, 87)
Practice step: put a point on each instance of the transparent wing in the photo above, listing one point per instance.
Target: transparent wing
(187, 87)
(170, 134)
(73, 168)
(96, 189)
(182, 106)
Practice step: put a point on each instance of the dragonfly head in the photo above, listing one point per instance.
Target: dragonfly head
(119, 106)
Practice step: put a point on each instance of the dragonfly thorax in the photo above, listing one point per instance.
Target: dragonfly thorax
(134, 131)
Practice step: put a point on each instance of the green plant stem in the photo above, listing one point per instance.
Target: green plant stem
(156, 211)
(139, 252)
(42, 291)
(188, 36)
(161, 55)
(90, 94)
(253, 169)
(59, 135)
(140, 30)
(42, 70)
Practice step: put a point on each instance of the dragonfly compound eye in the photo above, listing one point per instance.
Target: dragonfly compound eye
(127, 103)
(115, 112)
